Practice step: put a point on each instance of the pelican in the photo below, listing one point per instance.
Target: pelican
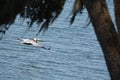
(33, 42)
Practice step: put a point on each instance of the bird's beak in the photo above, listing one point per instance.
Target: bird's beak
(41, 40)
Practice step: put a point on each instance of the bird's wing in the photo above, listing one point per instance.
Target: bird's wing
(35, 44)
(26, 41)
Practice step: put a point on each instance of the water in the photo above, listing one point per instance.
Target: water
(75, 52)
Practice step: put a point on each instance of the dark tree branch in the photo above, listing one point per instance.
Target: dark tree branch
(117, 15)
(106, 35)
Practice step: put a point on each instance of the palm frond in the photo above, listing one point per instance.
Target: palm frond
(36, 10)
(77, 7)
(9, 9)
(45, 11)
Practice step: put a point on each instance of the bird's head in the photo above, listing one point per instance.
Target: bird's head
(36, 40)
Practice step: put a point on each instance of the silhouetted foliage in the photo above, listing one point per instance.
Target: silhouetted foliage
(9, 9)
(45, 11)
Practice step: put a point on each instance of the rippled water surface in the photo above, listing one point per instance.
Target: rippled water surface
(75, 53)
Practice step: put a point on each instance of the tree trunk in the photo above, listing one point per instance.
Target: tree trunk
(106, 35)
(117, 15)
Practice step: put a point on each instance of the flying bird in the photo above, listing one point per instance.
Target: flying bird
(33, 42)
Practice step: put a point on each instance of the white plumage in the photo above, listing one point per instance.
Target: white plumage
(33, 42)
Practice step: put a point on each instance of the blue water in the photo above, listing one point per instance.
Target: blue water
(75, 52)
